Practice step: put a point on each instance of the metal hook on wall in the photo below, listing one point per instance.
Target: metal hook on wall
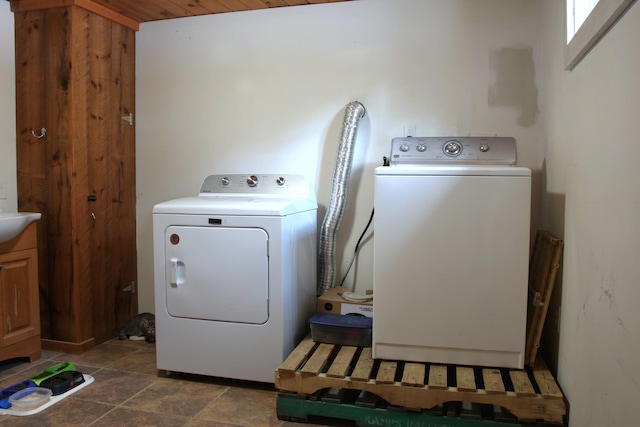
(43, 133)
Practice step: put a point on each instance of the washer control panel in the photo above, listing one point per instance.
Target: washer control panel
(453, 150)
(293, 185)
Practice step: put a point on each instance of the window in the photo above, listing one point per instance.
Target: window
(587, 22)
(577, 12)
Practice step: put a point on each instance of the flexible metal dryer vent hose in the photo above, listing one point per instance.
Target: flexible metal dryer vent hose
(326, 251)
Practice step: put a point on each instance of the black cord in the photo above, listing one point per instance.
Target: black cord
(385, 162)
(355, 251)
(365, 230)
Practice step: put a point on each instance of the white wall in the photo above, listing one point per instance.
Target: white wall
(592, 150)
(265, 91)
(7, 110)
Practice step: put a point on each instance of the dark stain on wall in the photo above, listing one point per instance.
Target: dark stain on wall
(515, 83)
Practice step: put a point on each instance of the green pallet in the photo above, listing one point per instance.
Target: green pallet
(365, 409)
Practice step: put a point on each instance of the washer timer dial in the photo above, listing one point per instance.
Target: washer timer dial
(252, 181)
(452, 148)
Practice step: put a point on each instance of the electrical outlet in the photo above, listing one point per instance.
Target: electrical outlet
(3, 189)
(410, 131)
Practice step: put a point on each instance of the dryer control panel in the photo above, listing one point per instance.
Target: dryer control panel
(267, 184)
(453, 150)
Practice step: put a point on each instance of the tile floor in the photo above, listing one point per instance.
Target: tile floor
(129, 391)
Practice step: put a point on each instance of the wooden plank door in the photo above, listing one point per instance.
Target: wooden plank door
(75, 76)
(108, 203)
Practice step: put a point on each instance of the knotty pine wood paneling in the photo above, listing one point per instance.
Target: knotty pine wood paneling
(110, 171)
(75, 76)
(154, 10)
(131, 13)
(44, 166)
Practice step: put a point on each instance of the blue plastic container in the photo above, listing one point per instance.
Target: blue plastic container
(10, 391)
(352, 330)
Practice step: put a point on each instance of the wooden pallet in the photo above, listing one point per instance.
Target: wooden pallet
(543, 268)
(529, 394)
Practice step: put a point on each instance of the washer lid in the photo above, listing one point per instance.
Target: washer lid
(235, 205)
(452, 170)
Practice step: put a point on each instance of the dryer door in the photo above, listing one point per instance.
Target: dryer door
(217, 273)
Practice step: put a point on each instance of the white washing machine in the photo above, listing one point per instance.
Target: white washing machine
(451, 252)
(235, 275)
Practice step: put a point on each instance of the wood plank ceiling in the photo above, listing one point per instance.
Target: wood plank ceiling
(132, 13)
(155, 10)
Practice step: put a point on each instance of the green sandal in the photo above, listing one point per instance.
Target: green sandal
(47, 373)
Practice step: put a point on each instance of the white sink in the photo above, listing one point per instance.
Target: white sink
(12, 223)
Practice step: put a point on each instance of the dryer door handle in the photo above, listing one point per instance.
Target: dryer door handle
(177, 272)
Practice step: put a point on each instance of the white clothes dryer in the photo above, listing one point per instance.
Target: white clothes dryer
(235, 275)
(451, 252)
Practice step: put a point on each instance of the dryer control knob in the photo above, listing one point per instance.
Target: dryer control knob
(280, 181)
(421, 148)
(252, 181)
(404, 148)
(225, 181)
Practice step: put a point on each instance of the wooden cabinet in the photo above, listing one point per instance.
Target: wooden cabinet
(75, 74)
(19, 313)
